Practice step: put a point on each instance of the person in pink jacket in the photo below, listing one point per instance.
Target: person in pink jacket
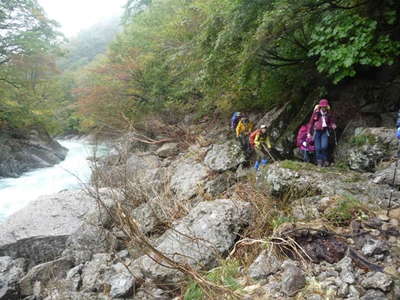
(320, 123)
(305, 143)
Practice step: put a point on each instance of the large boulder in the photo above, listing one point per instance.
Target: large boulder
(223, 157)
(387, 175)
(265, 265)
(362, 149)
(11, 271)
(36, 250)
(187, 177)
(206, 234)
(38, 232)
(100, 274)
(144, 170)
(296, 180)
(22, 150)
(35, 281)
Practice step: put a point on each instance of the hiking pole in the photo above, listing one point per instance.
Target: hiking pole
(394, 180)
(269, 153)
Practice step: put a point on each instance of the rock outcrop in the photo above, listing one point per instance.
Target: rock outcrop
(223, 157)
(199, 239)
(39, 231)
(362, 149)
(22, 150)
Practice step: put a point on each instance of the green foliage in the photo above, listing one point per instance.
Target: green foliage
(345, 40)
(296, 165)
(24, 29)
(179, 56)
(279, 220)
(225, 275)
(344, 210)
(363, 139)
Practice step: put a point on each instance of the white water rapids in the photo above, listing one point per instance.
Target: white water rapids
(15, 193)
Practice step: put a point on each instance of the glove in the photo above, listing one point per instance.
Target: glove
(398, 133)
(304, 144)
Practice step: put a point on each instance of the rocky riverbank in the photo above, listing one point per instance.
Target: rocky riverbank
(22, 150)
(190, 220)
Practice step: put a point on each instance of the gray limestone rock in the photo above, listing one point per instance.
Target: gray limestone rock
(74, 277)
(223, 157)
(148, 215)
(364, 148)
(264, 266)
(218, 185)
(293, 279)
(148, 291)
(374, 246)
(374, 295)
(42, 274)
(88, 240)
(187, 177)
(22, 150)
(38, 232)
(377, 280)
(95, 273)
(168, 149)
(346, 270)
(385, 175)
(11, 271)
(122, 285)
(310, 183)
(207, 233)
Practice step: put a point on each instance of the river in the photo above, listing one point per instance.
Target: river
(72, 173)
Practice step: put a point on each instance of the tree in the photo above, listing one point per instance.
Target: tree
(24, 29)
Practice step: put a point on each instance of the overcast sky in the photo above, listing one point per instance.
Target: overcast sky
(75, 15)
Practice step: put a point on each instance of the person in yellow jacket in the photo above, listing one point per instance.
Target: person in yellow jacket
(243, 130)
(261, 145)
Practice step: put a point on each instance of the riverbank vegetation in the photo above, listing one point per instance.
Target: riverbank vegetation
(188, 56)
(202, 56)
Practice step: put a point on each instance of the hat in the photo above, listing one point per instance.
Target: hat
(323, 103)
(263, 126)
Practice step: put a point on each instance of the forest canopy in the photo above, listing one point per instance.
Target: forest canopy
(202, 55)
(172, 57)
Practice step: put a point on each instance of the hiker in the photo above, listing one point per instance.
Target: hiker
(243, 130)
(398, 125)
(261, 146)
(236, 116)
(305, 143)
(321, 121)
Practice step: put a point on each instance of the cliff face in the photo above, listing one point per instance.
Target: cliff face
(22, 150)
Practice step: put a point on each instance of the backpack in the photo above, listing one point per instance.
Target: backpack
(235, 120)
(252, 137)
(301, 135)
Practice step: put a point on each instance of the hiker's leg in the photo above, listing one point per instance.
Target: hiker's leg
(246, 143)
(324, 146)
(317, 142)
(306, 156)
(259, 157)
